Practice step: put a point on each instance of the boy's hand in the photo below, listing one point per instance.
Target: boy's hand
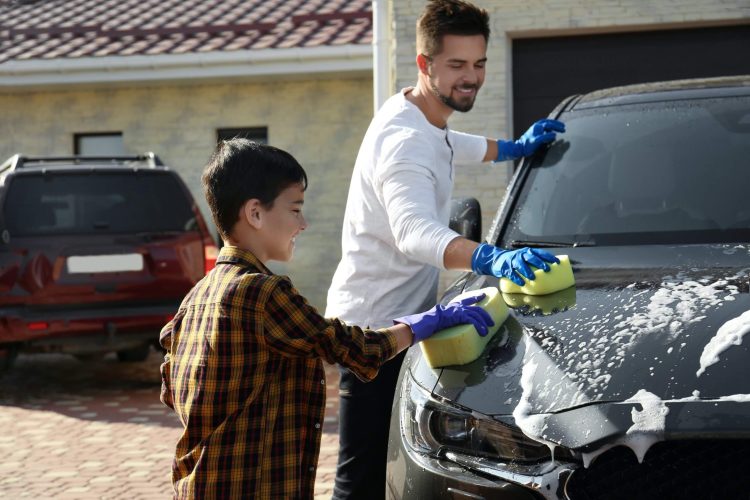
(423, 325)
(491, 260)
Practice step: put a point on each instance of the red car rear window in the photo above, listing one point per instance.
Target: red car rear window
(86, 203)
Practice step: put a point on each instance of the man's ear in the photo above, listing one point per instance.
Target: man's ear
(252, 213)
(423, 64)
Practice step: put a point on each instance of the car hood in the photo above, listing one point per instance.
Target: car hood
(644, 329)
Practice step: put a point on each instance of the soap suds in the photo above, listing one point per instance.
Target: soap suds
(736, 398)
(530, 424)
(602, 348)
(648, 424)
(729, 334)
(653, 415)
(647, 429)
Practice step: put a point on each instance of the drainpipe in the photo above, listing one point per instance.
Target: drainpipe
(380, 76)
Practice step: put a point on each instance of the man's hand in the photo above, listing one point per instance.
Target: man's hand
(541, 132)
(512, 264)
(423, 325)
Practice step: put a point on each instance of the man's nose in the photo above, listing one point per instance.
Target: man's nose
(472, 76)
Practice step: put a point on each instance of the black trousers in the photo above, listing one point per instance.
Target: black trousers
(364, 420)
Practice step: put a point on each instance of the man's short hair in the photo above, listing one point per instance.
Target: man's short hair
(449, 17)
(240, 170)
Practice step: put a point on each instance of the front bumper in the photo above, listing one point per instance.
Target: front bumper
(409, 477)
(413, 474)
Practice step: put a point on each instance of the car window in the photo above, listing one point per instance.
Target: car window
(73, 203)
(671, 172)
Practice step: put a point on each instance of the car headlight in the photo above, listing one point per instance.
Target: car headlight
(432, 427)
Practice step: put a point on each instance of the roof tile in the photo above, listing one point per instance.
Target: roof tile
(94, 28)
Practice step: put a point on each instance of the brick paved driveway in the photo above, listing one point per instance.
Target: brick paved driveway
(70, 429)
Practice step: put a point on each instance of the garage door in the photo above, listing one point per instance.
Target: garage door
(546, 70)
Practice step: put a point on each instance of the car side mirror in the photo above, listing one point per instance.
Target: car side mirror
(466, 218)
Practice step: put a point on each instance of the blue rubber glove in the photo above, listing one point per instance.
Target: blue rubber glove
(494, 261)
(541, 132)
(423, 325)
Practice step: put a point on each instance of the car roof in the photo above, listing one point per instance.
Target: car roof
(664, 91)
(20, 163)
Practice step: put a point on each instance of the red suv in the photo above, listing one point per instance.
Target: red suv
(95, 254)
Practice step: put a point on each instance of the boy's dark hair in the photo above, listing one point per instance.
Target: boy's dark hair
(449, 17)
(241, 170)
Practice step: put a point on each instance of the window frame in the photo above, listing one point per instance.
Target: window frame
(77, 136)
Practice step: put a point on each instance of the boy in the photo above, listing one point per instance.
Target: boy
(243, 366)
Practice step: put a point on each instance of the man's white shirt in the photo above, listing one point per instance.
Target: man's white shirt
(396, 222)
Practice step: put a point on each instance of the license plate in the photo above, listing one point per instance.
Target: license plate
(105, 263)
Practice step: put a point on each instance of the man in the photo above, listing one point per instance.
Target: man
(396, 238)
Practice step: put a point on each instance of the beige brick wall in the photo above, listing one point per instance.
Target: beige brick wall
(321, 122)
(509, 19)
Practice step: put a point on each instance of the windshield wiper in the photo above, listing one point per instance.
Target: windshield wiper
(552, 244)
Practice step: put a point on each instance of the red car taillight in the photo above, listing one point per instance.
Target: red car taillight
(37, 325)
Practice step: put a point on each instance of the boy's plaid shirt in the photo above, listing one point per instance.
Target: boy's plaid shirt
(243, 371)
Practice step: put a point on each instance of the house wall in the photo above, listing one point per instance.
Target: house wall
(509, 19)
(320, 122)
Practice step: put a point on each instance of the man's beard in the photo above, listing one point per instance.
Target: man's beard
(450, 102)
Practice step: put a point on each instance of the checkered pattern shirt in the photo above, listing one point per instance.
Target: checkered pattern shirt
(243, 372)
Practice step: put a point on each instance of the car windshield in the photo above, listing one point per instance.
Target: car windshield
(65, 203)
(673, 172)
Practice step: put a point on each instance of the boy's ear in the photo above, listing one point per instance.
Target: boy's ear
(252, 213)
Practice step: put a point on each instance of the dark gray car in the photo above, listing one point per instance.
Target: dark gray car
(634, 383)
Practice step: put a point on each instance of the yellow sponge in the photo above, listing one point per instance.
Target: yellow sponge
(546, 304)
(462, 344)
(559, 277)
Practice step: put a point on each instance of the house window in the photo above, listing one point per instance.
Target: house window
(99, 144)
(257, 134)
